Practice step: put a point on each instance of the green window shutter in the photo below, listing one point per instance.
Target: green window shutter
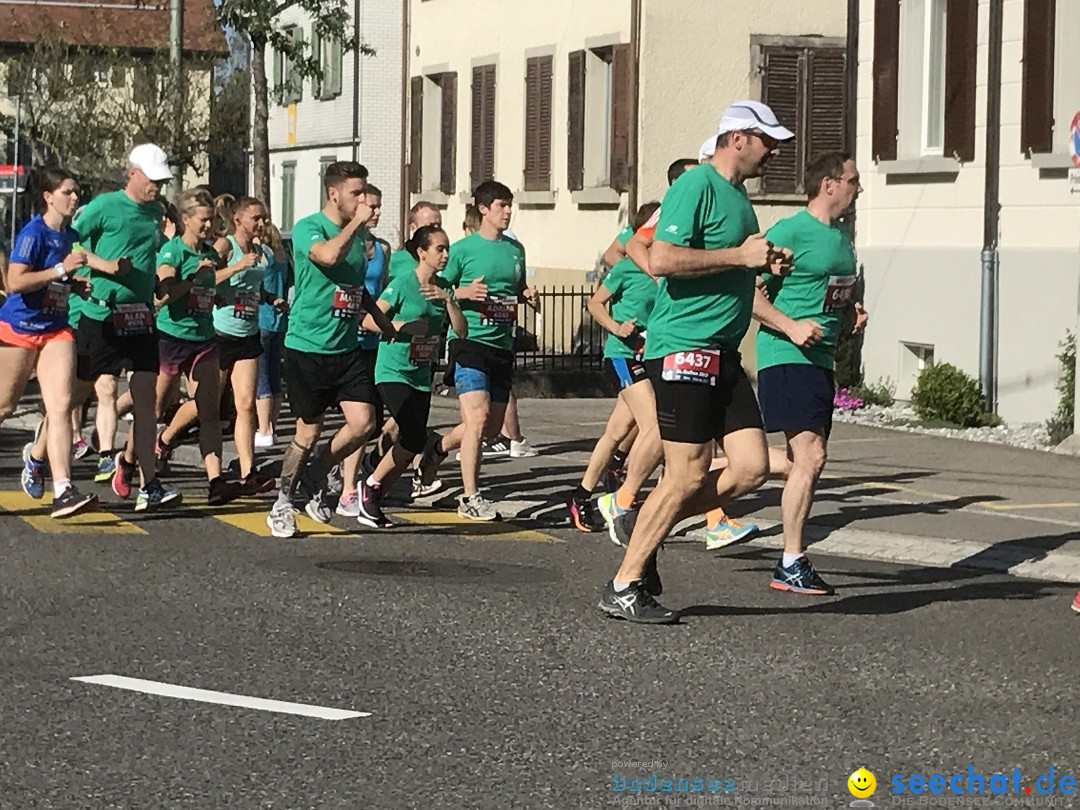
(296, 89)
(335, 66)
(279, 75)
(317, 82)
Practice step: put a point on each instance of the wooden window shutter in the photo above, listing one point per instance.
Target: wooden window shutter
(416, 132)
(1037, 96)
(448, 134)
(538, 123)
(961, 47)
(575, 151)
(622, 105)
(783, 89)
(483, 124)
(886, 78)
(318, 84)
(826, 116)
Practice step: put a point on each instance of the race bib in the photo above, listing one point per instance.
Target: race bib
(132, 319)
(246, 305)
(701, 366)
(201, 300)
(55, 301)
(501, 309)
(422, 350)
(347, 302)
(839, 292)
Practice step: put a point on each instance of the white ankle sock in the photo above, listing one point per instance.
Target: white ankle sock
(789, 559)
(620, 586)
(60, 485)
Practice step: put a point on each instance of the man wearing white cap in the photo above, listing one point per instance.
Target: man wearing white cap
(116, 331)
(707, 254)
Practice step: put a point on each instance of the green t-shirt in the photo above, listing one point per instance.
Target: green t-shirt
(623, 236)
(113, 226)
(819, 289)
(401, 261)
(326, 300)
(703, 210)
(190, 316)
(410, 363)
(501, 263)
(633, 294)
(238, 314)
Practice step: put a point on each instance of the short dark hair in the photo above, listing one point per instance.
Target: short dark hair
(337, 173)
(676, 169)
(644, 213)
(822, 166)
(375, 191)
(491, 190)
(422, 239)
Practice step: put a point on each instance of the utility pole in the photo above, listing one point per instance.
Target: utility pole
(176, 49)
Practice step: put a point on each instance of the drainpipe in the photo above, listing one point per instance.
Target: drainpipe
(403, 181)
(991, 215)
(356, 84)
(635, 54)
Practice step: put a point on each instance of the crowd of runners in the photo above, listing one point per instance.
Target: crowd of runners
(192, 303)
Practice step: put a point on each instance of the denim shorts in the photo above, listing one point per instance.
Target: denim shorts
(468, 379)
(273, 345)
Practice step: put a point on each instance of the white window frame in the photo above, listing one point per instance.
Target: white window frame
(597, 145)
(916, 75)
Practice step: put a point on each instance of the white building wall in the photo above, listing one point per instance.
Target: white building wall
(324, 128)
(563, 241)
(920, 239)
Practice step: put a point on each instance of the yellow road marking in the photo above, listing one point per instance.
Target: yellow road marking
(36, 514)
(254, 522)
(1010, 506)
(477, 530)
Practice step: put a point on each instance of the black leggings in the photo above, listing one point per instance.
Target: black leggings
(410, 407)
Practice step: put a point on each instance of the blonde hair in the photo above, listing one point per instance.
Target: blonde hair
(223, 210)
(189, 200)
(273, 237)
(472, 218)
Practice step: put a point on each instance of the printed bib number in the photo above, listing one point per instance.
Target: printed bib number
(422, 350)
(499, 310)
(701, 366)
(246, 305)
(839, 292)
(55, 301)
(347, 302)
(201, 300)
(132, 319)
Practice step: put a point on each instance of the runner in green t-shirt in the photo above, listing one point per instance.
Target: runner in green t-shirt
(403, 370)
(707, 252)
(187, 289)
(489, 274)
(116, 330)
(323, 363)
(421, 214)
(796, 348)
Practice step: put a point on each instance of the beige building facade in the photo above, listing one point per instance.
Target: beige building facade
(922, 127)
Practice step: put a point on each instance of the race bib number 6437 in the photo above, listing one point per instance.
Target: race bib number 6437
(701, 366)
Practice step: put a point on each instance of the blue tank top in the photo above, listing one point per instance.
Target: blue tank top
(373, 281)
(45, 310)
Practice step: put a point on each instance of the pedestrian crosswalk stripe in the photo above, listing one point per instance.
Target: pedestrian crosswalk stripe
(36, 515)
(254, 521)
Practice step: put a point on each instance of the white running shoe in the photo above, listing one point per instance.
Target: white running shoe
(522, 449)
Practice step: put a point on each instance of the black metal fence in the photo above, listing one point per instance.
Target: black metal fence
(562, 336)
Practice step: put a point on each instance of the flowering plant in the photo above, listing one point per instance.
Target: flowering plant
(846, 401)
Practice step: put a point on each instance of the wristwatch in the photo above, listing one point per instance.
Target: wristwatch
(65, 276)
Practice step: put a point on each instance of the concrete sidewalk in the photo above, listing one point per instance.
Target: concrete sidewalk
(887, 495)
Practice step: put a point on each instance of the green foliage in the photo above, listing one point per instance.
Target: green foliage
(1060, 425)
(945, 392)
(879, 393)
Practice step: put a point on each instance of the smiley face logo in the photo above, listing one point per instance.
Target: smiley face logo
(862, 784)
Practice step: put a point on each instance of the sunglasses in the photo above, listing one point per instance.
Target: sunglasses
(769, 141)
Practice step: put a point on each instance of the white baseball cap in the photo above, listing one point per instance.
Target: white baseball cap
(708, 148)
(746, 115)
(152, 161)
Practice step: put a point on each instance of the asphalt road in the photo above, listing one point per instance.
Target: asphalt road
(490, 679)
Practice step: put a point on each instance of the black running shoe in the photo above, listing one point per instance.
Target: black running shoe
(624, 527)
(223, 492)
(650, 578)
(583, 515)
(71, 502)
(431, 458)
(635, 604)
(369, 512)
(800, 577)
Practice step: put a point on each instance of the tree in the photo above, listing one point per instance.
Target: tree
(84, 108)
(260, 21)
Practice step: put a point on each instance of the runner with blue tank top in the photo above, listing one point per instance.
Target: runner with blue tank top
(34, 331)
(273, 321)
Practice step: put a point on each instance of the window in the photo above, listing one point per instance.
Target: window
(914, 357)
(288, 195)
(804, 81)
(1051, 75)
(328, 51)
(288, 83)
(600, 92)
(538, 123)
(433, 133)
(924, 64)
(324, 162)
(483, 124)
